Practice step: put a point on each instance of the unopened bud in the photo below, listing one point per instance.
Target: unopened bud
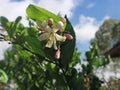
(68, 36)
(44, 23)
(63, 20)
(14, 37)
(57, 54)
(50, 22)
(60, 24)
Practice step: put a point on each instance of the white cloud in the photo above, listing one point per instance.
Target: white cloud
(90, 5)
(63, 6)
(14, 8)
(86, 28)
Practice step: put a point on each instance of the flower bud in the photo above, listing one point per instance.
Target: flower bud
(60, 24)
(44, 23)
(50, 22)
(68, 36)
(63, 20)
(57, 54)
(14, 37)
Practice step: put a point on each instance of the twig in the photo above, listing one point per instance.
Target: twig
(64, 73)
(38, 55)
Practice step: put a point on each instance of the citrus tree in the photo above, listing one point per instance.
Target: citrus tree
(43, 54)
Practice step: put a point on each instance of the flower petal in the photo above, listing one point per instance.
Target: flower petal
(41, 25)
(55, 29)
(48, 29)
(60, 38)
(55, 46)
(44, 36)
(49, 44)
(44, 24)
(60, 24)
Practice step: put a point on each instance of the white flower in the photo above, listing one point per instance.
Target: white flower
(50, 34)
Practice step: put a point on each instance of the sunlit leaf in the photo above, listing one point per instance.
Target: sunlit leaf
(10, 27)
(4, 22)
(14, 26)
(40, 14)
(3, 76)
(34, 45)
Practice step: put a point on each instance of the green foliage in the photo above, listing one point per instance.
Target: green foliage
(33, 67)
(94, 59)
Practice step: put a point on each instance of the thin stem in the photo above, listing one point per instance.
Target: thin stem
(64, 74)
(38, 55)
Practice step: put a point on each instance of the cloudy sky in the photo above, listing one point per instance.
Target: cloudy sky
(85, 15)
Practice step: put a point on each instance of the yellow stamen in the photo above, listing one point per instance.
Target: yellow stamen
(50, 37)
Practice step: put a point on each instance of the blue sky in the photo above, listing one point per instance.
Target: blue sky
(99, 9)
(86, 16)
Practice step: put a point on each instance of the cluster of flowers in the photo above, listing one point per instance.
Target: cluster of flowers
(49, 32)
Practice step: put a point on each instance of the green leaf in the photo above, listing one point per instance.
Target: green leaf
(40, 14)
(88, 55)
(76, 82)
(34, 45)
(37, 84)
(3, 76)
(4, 21)
(29, 76)
(10, 27)
(14, 26)
(67, 48)
(76, 58)
(97, 63)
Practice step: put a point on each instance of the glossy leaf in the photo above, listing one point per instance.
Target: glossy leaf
(10, 27)
(14, 26)
(67, 48)
(3, 76)
(4, 21)
(34, 45)
(40, 14)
